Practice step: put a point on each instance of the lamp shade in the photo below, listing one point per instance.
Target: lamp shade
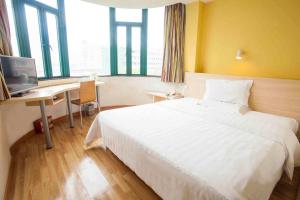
(239, 54)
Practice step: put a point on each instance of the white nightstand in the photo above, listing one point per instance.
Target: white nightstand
(162, 96)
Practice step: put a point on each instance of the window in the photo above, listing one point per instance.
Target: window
(14, 43)
(41, 35)
(122, 43)
(78, 38)
(128, 39)
(53, 43)
(155, 41)
(35, 38)
(52, 3)
(136, 50)
(128, 15)
(88, 38)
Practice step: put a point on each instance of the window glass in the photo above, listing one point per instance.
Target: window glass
(35, 38)
(155, 41)
(128, 15)
(121, 49)
(88, 38)
(136, 50)
(88, 33)
(52, 3)
(12, 27)
(53, 42)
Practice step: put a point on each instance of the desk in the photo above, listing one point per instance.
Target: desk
(45, 96)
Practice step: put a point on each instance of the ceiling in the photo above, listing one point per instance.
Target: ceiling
(141, 3)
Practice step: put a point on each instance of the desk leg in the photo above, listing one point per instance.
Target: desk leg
(98, 97)
(48, 141)
(70, 109)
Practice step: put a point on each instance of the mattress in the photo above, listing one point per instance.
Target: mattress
(183, 151)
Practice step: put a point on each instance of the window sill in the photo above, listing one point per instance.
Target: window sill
(65, 80)
(72, 77)
(133, 75)
(56, 81)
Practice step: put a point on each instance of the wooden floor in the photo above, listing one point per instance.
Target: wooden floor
(68, 171)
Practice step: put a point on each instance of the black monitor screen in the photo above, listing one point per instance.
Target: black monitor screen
(19, 73)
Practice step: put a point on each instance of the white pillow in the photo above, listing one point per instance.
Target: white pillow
(228, 91)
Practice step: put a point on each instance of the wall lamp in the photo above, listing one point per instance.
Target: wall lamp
(239, 54)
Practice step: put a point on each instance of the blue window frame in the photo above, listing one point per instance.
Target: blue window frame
(43, 14)
(128, 38)
(138, 25)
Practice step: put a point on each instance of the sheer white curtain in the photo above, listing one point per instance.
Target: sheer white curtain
(139, 3)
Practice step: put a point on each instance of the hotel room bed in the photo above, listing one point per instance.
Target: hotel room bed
(183, 150)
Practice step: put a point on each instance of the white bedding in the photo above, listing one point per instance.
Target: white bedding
(184, 151)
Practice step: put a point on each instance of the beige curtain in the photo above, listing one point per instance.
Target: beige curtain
(5, 46)
(172, 69)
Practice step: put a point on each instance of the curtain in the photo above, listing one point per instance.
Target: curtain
(5, 46)
(172, 69)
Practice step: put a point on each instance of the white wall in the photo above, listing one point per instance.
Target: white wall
(17, 118)
(4, 158)
(130, 90)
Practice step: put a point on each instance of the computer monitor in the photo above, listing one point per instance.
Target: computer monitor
(19, 73)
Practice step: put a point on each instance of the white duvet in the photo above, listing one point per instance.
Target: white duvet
(184, 151)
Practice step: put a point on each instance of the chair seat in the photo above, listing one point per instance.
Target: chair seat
(76, 101)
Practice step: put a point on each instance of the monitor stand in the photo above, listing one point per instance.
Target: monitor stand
(21, 94)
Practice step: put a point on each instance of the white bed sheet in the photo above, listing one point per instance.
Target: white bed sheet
(182, 151)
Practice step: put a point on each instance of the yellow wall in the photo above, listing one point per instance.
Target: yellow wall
(267, 30)
(193, 26)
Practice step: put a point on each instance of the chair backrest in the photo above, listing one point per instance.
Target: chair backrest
(87, 91)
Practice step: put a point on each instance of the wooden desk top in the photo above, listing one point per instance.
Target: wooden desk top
(45, 93)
